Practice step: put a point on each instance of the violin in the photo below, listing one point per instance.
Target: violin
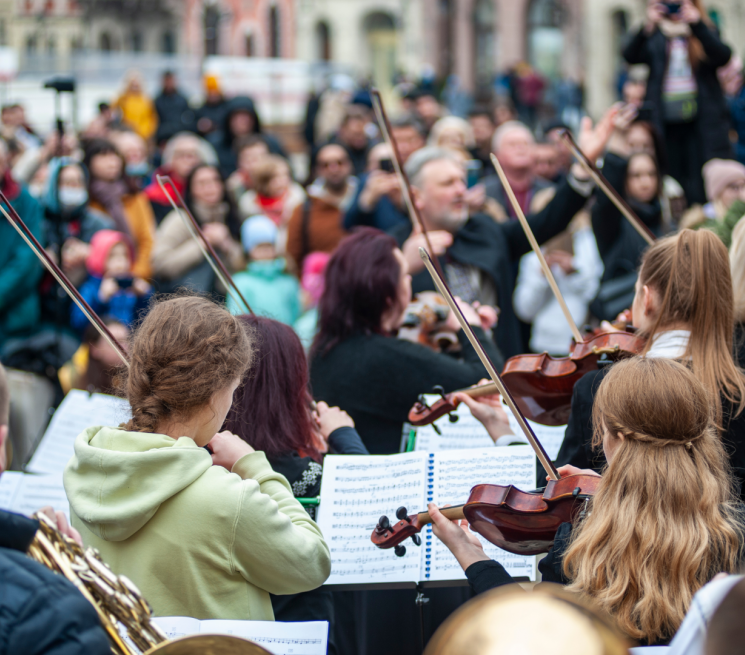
(520, 522)
(424, 322)
(517, 521)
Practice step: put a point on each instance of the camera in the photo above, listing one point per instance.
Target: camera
(672, 8)
(61, 84)
(386, 165)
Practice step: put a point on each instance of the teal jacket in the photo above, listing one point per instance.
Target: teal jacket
(20, 271)
(270, 291)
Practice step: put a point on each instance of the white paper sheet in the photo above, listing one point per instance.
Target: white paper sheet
(356, 490)
(25, 493)
(454, 474)
(77, 412)
(550, 436)
(301, 638)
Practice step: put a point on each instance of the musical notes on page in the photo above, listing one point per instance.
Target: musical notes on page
(77, 412)
(355, 492)
(25, 494)
(453, 474)
(467, 432)
(297, 638)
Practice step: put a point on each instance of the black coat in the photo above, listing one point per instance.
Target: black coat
(495, 248)
(377, 379)
(712, 120)
(174, 116)
(40, 611)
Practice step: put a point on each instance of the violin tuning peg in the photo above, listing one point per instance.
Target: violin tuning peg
(384, 523)
(399, 550)
(453, 418)
(416, 539)
(436, 428)
(402, 513)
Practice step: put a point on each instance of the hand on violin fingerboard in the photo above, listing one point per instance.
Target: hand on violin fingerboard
(457, 536)
(568, 469)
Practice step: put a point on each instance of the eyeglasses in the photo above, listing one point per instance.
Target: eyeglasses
(332, 162)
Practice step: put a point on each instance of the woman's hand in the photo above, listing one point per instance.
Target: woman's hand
(107, 289)
(568, 469)
(140, 287)
(655, 13)
(592, 140)
(469, 312)
(331, 418)
(60, 521)
(489, 315)
(216, 234)
(488, 410)
(688, 13)
(457, 536)
(476, 197)
(227, 448)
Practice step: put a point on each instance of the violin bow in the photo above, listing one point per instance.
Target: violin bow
(536, 249)
(403, 178)
(17, 222)
(486, 361)
(205, 246)
(608, 189)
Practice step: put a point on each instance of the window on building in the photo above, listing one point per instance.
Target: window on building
(31, 44)
(446, 25)
(484, 25)
(250, 46)
(136, 41)
(168, 42)
(382, 43)
(323, 41)
(51, 46)
(546, 20)
(211, 24)
(275, 45)
(105, 42)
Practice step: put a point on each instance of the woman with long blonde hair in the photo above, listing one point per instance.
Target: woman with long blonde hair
(665, 518)
(737, 268)
(684, 308)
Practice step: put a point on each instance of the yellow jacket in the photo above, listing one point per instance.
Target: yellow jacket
(138, 111)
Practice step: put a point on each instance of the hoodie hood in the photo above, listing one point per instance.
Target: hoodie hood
(101, 244)
(239, 103)
(50, 198)
(117, 480)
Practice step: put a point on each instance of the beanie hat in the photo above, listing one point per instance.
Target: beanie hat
(720, 173)
(211, 83)
(257, 230)
(101, 244)
(312, 279)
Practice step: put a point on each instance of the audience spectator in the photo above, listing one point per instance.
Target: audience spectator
(134, 150)
(265, 283)
(20, 271)
(504, 111)
(136, 108)
(311, 286)
(316, 225)
(211, 114)
(683, 52)
(546, 162)
(529, 88)
(116, 195)
(181, 154)
(275, 195)
(451, 132)
(482, 125)
(552, 134)
(177, 257)
(379, 202)
(428, 109)
(174, 113)
(240, 121)
(99, 127)
(111, 289)
(15, 126)
(252, 152)
(731, 78)
(352, 136)
(514, 146)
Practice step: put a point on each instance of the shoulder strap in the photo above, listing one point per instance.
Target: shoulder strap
(305, 221)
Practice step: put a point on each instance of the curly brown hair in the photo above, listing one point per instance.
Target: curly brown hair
(187, 348)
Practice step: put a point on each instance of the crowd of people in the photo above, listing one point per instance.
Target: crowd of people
(194, 498)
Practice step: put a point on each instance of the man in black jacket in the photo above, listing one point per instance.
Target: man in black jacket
(40, 611)
(174, 113)
(477, 254)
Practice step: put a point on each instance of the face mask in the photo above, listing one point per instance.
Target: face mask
(36, 190)
(137, 169)
(72, 196)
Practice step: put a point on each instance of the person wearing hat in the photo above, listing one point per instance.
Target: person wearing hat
(265, 284)
(724, 180)
(212, 112)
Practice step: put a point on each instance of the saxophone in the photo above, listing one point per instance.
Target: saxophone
(124, 613)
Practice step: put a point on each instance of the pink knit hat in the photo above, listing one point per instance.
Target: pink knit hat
(312, 279)
(101, 244)
(720, 173)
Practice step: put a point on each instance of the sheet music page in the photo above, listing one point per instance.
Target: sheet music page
(177, 626)
(10, 481)
(454, 473)
(356, 490)
(468, 432)
(550, 436)
(37, 491)
(296, 638)
(77, 412)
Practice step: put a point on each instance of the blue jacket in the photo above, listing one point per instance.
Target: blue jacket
(385, 215)
(270, 291)
(20, 271)
(125, 306)
(40, 611)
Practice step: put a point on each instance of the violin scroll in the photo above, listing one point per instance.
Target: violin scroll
(387, 535)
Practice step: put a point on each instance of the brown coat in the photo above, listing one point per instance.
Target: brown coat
(324, 230)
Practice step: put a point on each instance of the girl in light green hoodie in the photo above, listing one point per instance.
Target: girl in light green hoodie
(202, 534)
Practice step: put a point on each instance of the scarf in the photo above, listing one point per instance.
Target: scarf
(205, 213)
(110, 195)
(673, 29)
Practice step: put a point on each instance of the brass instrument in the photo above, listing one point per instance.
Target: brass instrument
(120, 606)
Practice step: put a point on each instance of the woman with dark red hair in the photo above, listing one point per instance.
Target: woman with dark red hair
(356, 361)
(273, 413)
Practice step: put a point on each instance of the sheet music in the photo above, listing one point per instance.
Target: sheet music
(77, 412)
(356, 490)
(297, 638)
(550, 436)
(25, 493)
(468, 432)
(454, 473)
